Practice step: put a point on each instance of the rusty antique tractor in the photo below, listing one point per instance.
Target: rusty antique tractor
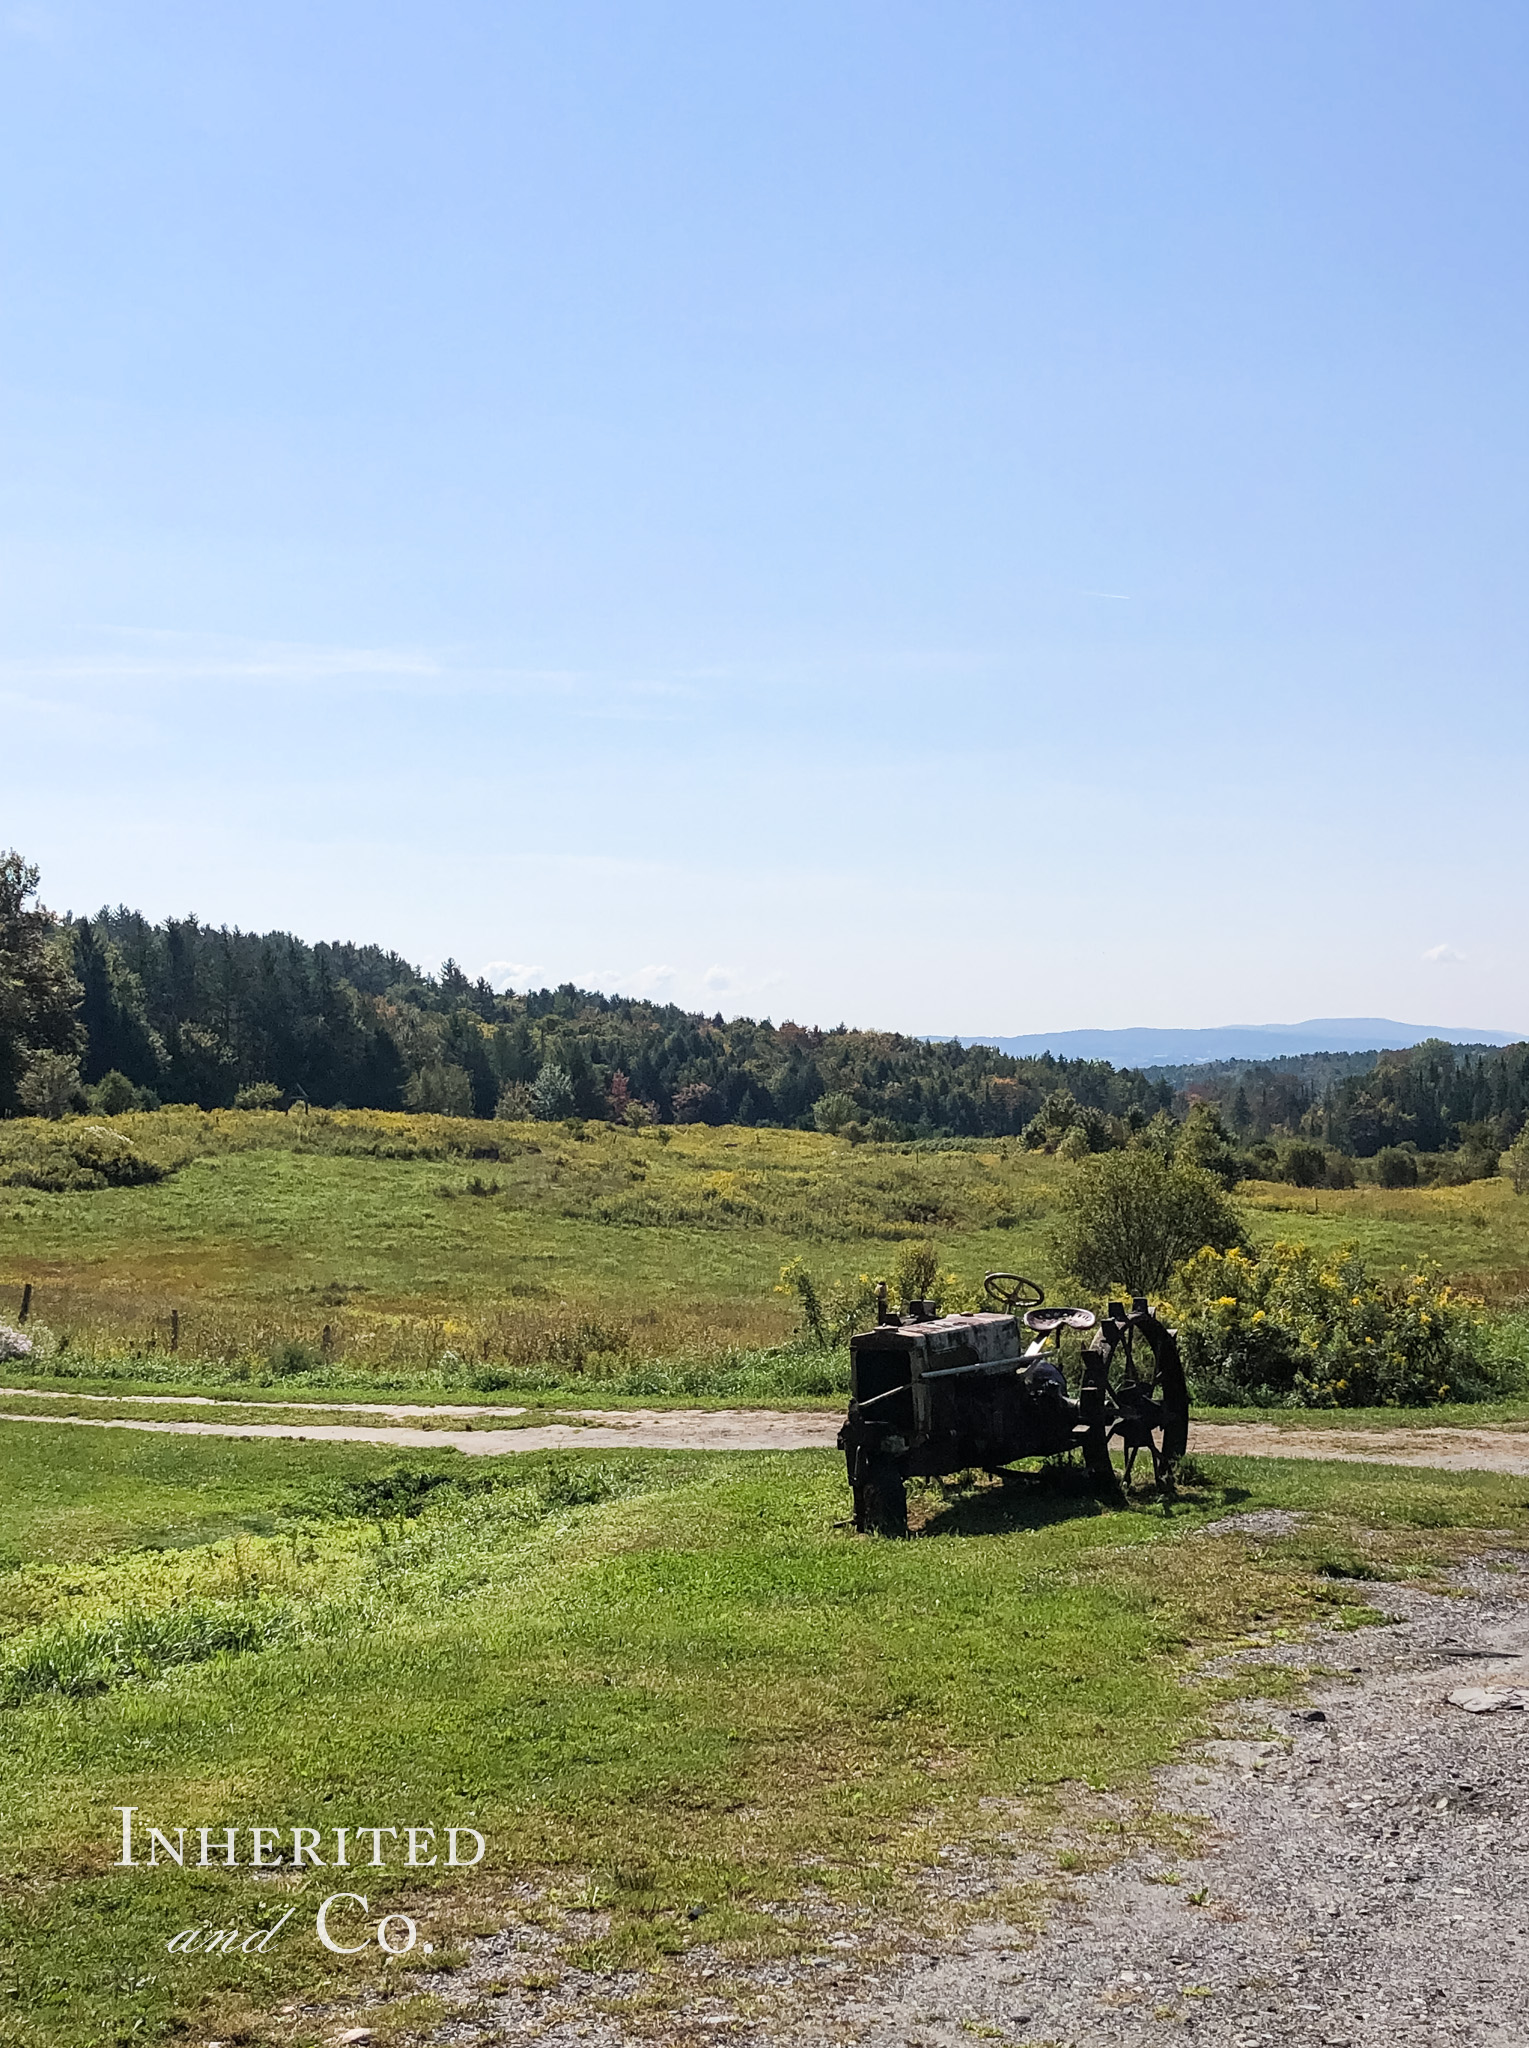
(933, 1394)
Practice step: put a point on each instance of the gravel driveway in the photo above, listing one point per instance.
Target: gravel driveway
(1361, 1881)
(1366, 1881)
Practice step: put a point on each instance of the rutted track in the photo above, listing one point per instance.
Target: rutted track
(742, 1429)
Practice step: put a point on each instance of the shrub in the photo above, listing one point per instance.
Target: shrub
(552, 1094)
(14, 1343)
(1476, 1159)
(1516, 1160)
(830, 1315)
(1306, 1329)
(795, 1279)
(916, 1272)
(1204, 1142)
(116, 1159)
(114, 1095)
(1479, 1154)
(440, 1089)
(514, 1105)
(80, 1159)
(258, 1095)
(1130, 1218)
(697, 1103)
(833, 1111)
(1395, 1168)
(288, 1359)
(1304, 1166)
(1051, 1122)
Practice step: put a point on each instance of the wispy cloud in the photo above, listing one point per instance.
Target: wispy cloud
(503, 974)
(273, 664)
(1443, 956)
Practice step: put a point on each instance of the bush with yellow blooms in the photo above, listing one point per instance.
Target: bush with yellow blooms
(1298, 1328)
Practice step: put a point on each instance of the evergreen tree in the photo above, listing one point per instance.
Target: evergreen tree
(39, 996)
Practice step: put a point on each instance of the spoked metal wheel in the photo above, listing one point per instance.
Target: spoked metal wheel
(1134, 1400)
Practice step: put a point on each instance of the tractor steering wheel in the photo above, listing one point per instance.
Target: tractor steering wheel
(1017, 1294)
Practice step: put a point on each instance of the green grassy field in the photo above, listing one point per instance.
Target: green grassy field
(595, 1244)
(368, 1251)
(678, 1698)
(673, 1693)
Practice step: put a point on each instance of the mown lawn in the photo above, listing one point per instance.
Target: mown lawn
(671, 1690)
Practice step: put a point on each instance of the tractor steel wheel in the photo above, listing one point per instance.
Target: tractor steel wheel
(883, 1500)
(1135, 1401)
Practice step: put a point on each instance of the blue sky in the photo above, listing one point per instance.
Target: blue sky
(977, 517)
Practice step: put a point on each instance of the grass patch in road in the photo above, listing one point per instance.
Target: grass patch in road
(1508, 1414)
(661, 1684)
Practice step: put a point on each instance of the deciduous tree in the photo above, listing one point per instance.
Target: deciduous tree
(1129, 1218)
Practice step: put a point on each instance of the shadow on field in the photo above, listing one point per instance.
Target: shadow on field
(978, 1503)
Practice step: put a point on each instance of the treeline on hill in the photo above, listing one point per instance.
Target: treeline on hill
(183, 1012)
(1266, 1098)
(1430, 1112)
(113, 1012)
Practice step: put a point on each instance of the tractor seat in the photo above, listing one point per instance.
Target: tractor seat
(1044, 1320)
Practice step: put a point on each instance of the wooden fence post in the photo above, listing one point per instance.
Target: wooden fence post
(26, 1302)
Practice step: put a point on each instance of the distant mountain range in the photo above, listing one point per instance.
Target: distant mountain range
(1146, 1046)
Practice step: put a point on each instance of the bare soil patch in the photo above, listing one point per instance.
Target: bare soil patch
(1446, 1450)
(740, 1429)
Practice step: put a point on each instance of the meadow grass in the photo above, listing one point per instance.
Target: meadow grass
(362, 1251)
(588, 1249)
(663, 1685)
(679, 1698)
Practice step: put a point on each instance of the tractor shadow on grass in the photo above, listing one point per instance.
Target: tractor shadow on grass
(978, 1503)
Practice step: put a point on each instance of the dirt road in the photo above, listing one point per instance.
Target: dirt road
(725, 1429)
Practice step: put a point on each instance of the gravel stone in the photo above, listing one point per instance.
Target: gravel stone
(1365, 1883)
(1263, 1524)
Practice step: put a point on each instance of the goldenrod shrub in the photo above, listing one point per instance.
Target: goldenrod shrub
(1301, 1328)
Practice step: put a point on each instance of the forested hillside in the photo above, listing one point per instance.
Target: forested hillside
(1432, 1096)
(190, 1013)
(116, 1012)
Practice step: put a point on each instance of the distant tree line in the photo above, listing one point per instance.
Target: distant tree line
(1431, 1112)
(141, 1013)
(114, 1012)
